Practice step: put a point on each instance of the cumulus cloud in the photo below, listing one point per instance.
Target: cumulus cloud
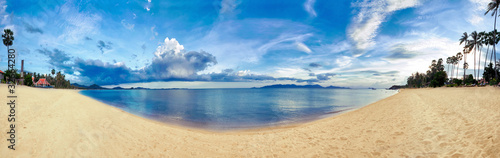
(371, 14)
(309, 7)
(171, 62)
(104, 46)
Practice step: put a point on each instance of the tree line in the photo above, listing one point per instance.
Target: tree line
(57, 80)
(472, 43)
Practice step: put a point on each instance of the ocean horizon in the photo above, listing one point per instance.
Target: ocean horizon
(239, 108)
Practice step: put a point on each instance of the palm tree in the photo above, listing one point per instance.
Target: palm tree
(481, 42)
(452, 61)
(493, 6)
(448, 61)
(53, 71)
(8, 37)
(459, 58)
(488, 40)
(474, 44)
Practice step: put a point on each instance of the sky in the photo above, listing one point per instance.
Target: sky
(239, 43)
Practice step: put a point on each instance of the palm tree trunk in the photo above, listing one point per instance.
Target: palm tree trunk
(448, 71)
(494, 40)
(486, 57)
(475, 50)
(479, 64)
(465, 61)
(452, 70)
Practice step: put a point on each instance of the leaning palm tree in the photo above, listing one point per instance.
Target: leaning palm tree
(493, 7)
(8, 37)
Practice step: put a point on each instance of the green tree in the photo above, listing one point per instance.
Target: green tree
(8, 38)
(27, 80)
(493, 7)
(53, 72)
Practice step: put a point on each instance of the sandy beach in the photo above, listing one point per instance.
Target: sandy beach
(440, 122)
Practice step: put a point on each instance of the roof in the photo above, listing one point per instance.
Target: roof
(2, 71)
(42, 81)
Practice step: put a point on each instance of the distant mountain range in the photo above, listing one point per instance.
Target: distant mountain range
(303, 86)
(94, 86)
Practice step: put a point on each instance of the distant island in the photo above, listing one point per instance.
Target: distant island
(303, 86)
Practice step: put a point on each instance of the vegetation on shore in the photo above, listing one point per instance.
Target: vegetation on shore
(58, 81)
(473, 44)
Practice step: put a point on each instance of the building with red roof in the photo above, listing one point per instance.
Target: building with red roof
(42, 82)
(1, 74)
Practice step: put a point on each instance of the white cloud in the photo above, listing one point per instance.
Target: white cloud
(153, 32)
(169, 45)
(477, 11)
(371, 15)
(228, 9)
(302, 47)
(282, 43)
(309, 7)
(344, 61)
(127, 25)
(78, 24)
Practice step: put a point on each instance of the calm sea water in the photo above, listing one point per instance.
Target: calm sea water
(225, 109)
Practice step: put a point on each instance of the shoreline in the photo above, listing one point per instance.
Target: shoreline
(283, 124)
(414, 122)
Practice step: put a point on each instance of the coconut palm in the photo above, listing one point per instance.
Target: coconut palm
(481, 42)
(493, 7)
(459, 58)
(448, 61)
(488, 41)
(474, 44)
(8, 37)
(452, 61)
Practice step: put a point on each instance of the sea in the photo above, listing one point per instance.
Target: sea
(235, 109)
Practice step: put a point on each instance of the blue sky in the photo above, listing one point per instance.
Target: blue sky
(236, 43)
